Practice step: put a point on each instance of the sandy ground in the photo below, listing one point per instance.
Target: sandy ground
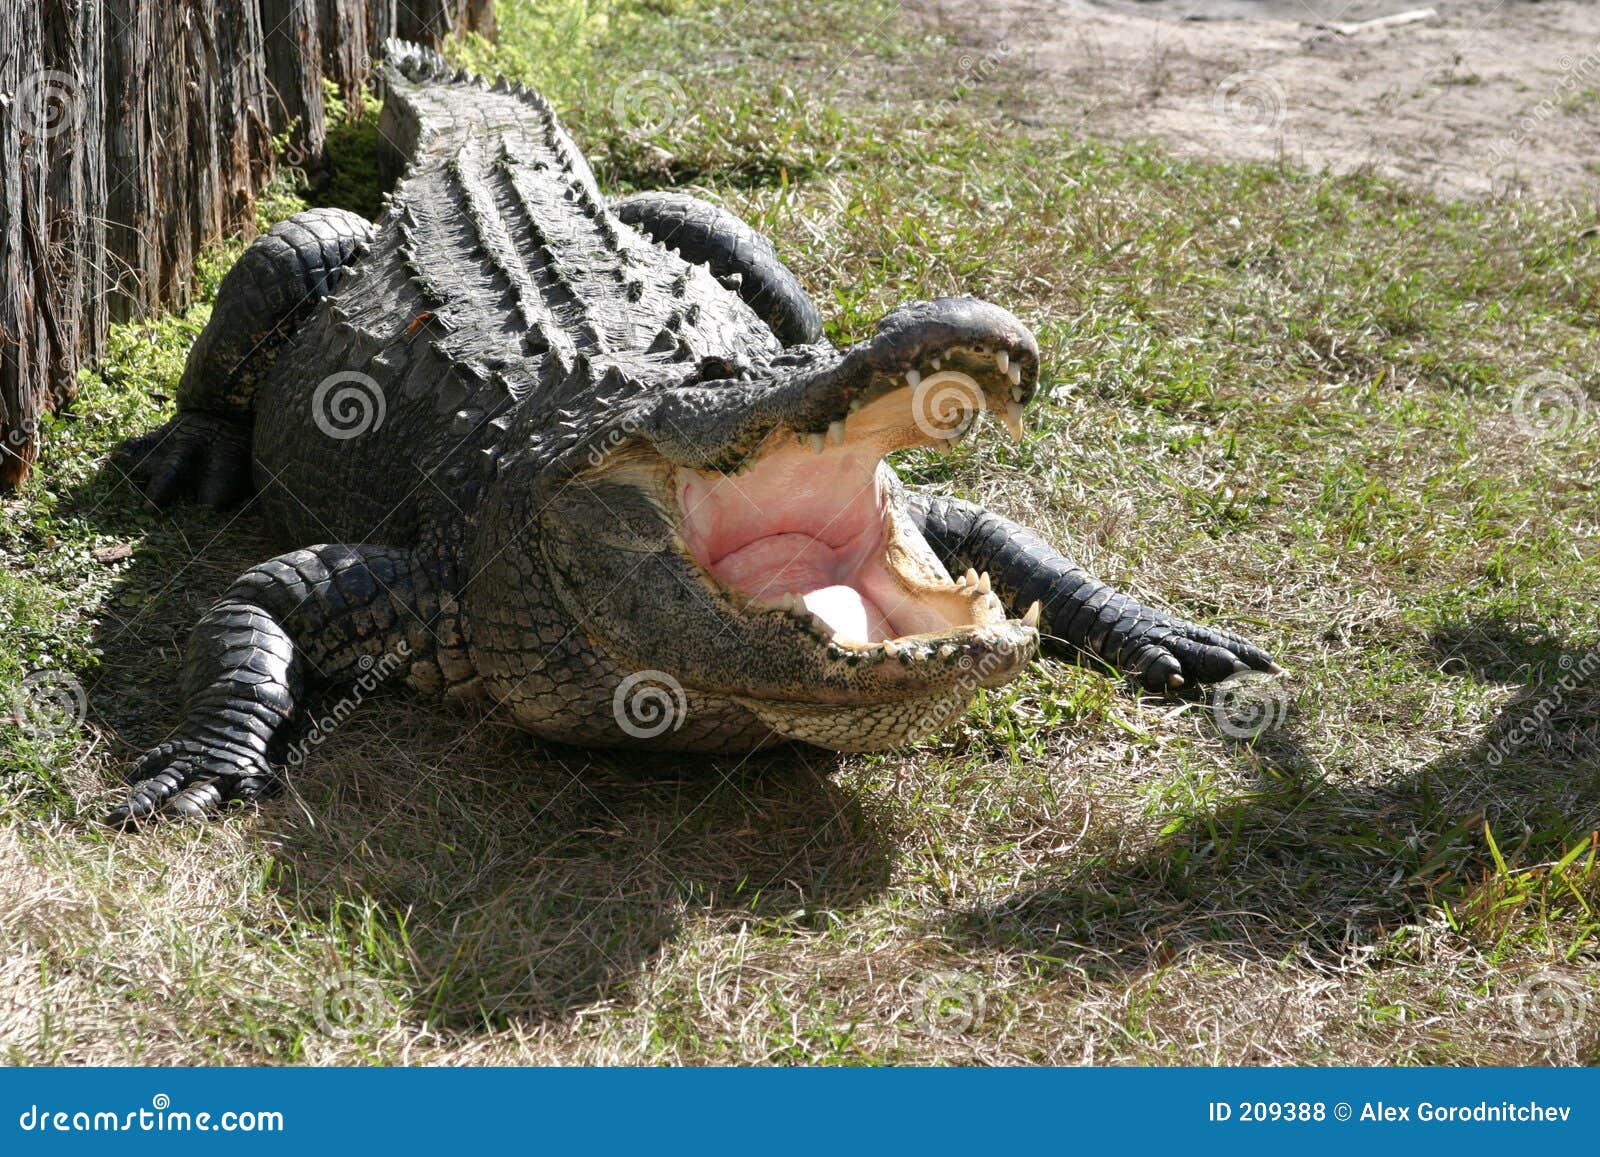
(1483, 98)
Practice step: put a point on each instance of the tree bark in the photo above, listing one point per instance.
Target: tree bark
(343, 31)
(135, 132)
(294, 78)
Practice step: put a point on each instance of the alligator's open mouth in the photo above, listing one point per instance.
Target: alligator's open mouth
(772, 562)
(806, 529)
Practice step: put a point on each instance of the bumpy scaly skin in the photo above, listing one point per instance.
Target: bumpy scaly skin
(495, 389)
(275, 286)
(262, 300)
(739, 257)
(322, 614)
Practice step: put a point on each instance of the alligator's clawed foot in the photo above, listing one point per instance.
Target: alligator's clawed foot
(186, 778)
(196, 455)
(1178, 652)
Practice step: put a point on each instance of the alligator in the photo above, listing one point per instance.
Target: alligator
(594, 464)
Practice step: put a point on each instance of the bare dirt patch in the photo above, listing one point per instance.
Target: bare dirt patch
(1483, 98)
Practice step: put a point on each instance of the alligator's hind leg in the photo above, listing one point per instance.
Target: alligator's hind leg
(328, 613)
(1080, 615)
(205, 450)
(739, 257)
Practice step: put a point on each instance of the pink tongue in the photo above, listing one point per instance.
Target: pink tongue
(851, 617)
(798, 564)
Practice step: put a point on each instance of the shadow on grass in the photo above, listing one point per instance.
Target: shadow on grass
(1316, 864)
(497, 879)
(526, 883)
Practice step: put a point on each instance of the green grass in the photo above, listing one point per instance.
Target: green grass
(1279, 401)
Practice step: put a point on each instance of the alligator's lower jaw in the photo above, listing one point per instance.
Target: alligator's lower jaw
(906, 688)
(873, 727)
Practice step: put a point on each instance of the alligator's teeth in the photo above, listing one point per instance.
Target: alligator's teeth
(1003, 359)
(818, 443)
(1031, 619)
(1014, 420)
(891, 649)
(961, 581)
(836, 432)
(983, 582)
(913, 378)
(1016, 393)
(972, 577)
(1015, 374)
(938, 363)
(855, 404)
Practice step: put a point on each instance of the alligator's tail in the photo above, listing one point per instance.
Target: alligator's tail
(431, 109)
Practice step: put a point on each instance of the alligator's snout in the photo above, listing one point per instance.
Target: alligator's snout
(954, 357)
(812, 598)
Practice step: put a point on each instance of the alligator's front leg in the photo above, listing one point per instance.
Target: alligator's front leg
(1081, 616)
(321, 614)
